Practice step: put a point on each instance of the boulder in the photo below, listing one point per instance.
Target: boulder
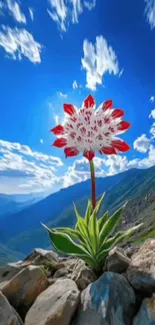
(82, 275)
(8, 315)
(8, 271)
(61, 273)
(141, 272)
(146, 314)
(117, 261)
(23, 288)
(40, 255)
(56, 305)
(108, 301)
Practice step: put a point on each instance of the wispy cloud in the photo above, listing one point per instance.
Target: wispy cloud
(152, 99)
(152, 114)
(61, 94)
(121, 72)
(150, 12)
(41, 141)
(64, 12)
(20, 43)
(56, 118)
(26, 169)
(90, 4)
(75, 85)
(31, 12)
(15, 11)
(98, 59)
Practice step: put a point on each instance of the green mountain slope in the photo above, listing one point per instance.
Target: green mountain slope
(135, 187)
(7, 255)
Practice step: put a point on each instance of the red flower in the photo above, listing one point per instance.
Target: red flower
(88, 130)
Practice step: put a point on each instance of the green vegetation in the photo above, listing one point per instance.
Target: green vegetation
(92, 238)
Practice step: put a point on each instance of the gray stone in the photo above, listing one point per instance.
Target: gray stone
(24, 288)
(82, 275)
(8, 271)
(117, 261)
(141, 272)
(60, 273)
(56, 305)
(40, 255)
(108, 301)
(146, 314)
(8, 316)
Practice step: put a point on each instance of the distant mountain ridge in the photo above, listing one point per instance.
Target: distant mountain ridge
(52, 206)
(25, 233)
(12, 203)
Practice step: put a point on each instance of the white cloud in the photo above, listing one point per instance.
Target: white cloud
(142, 143)
(152, 114)
(31, 12)
(1, 8)
(15, 11)
(150, 12)
(98, 59)
(90, 4)
(41, 141)
(18, 43)
(62, 95)
(65, 11)
(152, 131)
(26, 150)
(152, 99)
(24, 170)
(76, 10)
(121, 72)
(75, 85)
(56, 118)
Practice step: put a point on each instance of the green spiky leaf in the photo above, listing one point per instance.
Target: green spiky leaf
(110, 225)
(102, 221)
(89, 212)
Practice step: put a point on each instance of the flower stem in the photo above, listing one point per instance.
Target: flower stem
(93, 183)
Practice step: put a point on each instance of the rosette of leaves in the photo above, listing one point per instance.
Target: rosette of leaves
(92, 238)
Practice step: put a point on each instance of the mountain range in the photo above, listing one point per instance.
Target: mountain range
(21, 231)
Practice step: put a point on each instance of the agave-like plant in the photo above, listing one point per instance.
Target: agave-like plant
(92, 239)
(88, 131)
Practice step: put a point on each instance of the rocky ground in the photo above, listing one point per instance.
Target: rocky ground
(46, 289)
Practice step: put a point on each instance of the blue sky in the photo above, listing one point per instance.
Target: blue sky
(56, 51)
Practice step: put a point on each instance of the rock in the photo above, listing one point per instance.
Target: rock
(8, 315)
(55, 306)
(24, 288)
(108, 301)
(8, 271)
(40, 255)
(141, 272)
(82, 275)
(132, 249)
(146, 314)
(60, 273)
(117, 261)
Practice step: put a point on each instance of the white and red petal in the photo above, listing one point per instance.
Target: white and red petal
(107, 105)
(108, 151)
(89, 154)
(69, 109)
(89, 102)
(123, 126)
(120, 145)
(71, 152)
(59, 143)
(117, 113)
(58, 130)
